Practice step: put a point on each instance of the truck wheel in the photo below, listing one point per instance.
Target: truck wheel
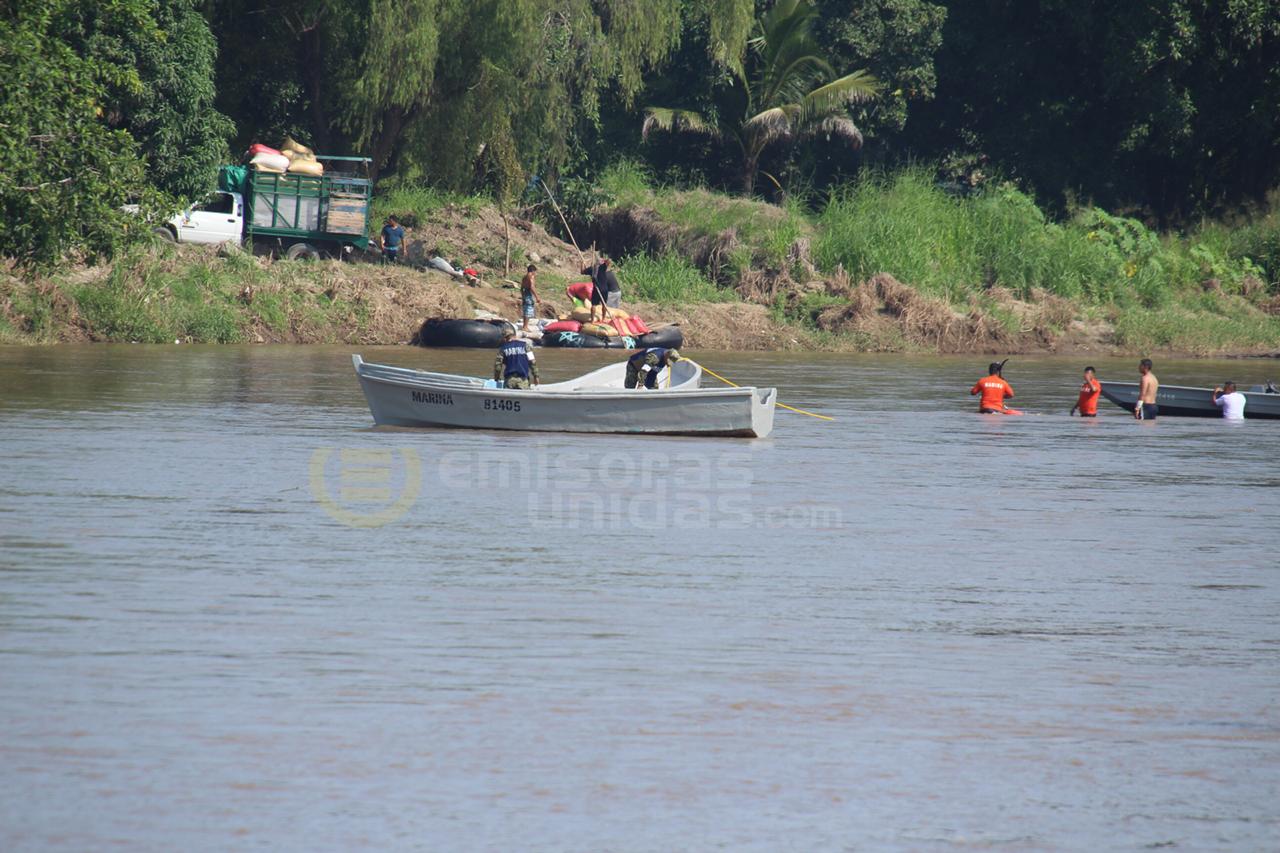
(165, 234)
(302, 252)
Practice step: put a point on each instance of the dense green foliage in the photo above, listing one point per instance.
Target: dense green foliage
(63, 171)
(897, 41)
(1170, 107)
(168, 108)
(464, 93)
(786, 88)
(103, 104)
(1163, 112)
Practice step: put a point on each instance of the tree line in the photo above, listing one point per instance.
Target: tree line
(1169, 110)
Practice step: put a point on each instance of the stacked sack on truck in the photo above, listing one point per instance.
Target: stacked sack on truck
(263, 158)
(292, 157)
(302, 160)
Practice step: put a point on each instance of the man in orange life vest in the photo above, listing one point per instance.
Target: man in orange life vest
(993, 389)
(1087, 403)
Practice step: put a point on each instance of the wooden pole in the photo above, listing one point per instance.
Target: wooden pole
(506, 225)
(565, 222)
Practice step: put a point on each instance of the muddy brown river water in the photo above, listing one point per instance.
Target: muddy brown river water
(232, 616)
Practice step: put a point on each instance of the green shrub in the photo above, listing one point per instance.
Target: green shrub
(412, 203)
(950, 246)
(117, 312)
(35, 305)
(905, 226)
(806, 309)
(667, 279)
(624, 182)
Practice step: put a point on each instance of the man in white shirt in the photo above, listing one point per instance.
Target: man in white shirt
(1230, 401)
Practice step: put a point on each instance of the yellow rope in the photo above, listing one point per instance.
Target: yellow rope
(705, 369)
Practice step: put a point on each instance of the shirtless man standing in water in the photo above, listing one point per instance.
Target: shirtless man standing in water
(1146, 408)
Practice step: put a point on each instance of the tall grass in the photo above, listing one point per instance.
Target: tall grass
(412, 203)
(1196, 331)
(151, 302)
(667, 279)
(195, 295)
(954, 247)
(1256, 237)
(624, 182)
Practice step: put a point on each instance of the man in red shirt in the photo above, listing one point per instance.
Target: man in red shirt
(1089, 391)
(993, 389)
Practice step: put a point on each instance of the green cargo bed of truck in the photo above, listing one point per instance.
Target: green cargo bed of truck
(333, 208)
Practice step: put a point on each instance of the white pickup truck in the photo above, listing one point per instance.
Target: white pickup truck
(295, 216)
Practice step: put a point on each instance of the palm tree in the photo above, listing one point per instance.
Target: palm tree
(787, 88)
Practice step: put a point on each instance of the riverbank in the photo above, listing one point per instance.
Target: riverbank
(892, 267)
(204, 295)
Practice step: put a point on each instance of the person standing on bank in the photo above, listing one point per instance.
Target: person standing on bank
(529, 295)
(606, 290)
(392, 238)
(994, 390)
(1090, 389)
(648, 363)
(514, 367)
(1230, 401)
(1146, 409)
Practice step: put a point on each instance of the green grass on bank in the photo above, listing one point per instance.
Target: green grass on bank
(668, 279)
(412, 204)
(1209, 289)
(765, 232)
(161, 294)
(954, 247)
(1198, 332)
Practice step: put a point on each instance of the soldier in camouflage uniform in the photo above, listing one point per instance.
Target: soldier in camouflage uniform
(514, 366)
(648, 362)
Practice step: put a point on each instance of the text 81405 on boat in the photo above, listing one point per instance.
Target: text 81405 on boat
(594, 402)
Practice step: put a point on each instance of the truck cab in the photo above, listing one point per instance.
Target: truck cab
(219, 218)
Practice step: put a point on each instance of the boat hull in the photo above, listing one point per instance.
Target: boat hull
(411, 398)
(1185, 402)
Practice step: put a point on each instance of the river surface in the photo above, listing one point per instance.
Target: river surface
(233, 616)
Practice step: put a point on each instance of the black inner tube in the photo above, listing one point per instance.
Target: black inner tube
(440, 332)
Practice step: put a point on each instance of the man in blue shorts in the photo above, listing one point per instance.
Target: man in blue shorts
(529, 295)
(1146, 409)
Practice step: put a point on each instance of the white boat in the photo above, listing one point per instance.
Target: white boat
(594, 402)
